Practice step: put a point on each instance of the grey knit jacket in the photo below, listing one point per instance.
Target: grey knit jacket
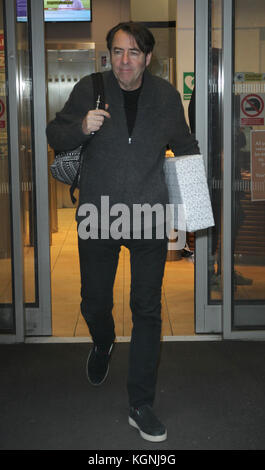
(127, 170)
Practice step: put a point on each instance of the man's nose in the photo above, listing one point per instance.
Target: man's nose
(125, 57)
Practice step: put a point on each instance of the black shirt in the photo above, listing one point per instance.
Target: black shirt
(130, 104)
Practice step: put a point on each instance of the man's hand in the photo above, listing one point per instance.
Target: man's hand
(94, 119)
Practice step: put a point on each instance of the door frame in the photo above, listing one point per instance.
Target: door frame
(208, 317)
(227, 264)
(15, 195)
(31, 320)
(37, 321)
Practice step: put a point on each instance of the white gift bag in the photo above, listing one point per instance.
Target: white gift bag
(187, 185)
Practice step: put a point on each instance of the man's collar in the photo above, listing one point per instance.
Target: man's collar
(145, 96)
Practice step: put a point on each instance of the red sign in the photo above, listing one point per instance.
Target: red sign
(2, 45)
(2, 108)
(2, 113)
(252, 110)
(252, 122)
(252, 105)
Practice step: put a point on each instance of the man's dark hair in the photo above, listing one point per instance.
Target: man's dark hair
(143, 37)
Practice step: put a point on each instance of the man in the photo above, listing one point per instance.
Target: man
(124, 160)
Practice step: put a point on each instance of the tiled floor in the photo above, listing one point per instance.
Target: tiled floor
(177, 292)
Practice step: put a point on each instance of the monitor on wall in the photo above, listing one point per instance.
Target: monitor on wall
(67, 10)
(59, 10)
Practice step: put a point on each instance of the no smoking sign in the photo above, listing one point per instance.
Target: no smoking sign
(252, 109)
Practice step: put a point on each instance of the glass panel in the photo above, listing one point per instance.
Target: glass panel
(215, 149)
(27, 162)
(64, 69)
(7, 322)
(248, 164)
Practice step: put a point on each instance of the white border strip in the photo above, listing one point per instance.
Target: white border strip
(119, 339)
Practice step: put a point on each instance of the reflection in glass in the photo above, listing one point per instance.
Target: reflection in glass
(6, 293)
(249, 154)
(26, 163)
(215, 151)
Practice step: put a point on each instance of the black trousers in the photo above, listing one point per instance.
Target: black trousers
(98, 265)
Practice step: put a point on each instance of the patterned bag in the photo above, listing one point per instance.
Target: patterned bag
(67, 165)
(187, 185)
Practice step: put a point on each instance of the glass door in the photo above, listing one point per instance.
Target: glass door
(27, 159)
(7, 317)
(29, 174)
(38, 313)
(12, 321)
(209, 118)
(230, 127)
(244, 169)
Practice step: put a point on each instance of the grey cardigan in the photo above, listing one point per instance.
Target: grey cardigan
(127, 170)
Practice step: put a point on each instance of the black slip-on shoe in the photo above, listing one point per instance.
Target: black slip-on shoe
(149, 426)
(97, 366)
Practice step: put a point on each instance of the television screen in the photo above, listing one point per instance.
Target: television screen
(67, 10)
(59, 10)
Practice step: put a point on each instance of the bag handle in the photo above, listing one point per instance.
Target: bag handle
(99, 100)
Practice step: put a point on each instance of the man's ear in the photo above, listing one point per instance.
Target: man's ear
(148, 58)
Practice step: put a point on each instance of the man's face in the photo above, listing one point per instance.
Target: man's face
(128, 61)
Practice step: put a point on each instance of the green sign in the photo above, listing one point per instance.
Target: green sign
(249, 77)
(188, 84)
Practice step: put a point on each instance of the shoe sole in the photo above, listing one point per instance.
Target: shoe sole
(147, 437)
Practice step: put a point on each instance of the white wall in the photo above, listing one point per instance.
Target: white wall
(158, 11)
(149, 10)
(249, 20)
(153, 10)
(166, 10)
(249, 13)
(184, 44)
(249, 48)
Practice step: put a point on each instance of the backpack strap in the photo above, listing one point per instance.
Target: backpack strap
(99, 101)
